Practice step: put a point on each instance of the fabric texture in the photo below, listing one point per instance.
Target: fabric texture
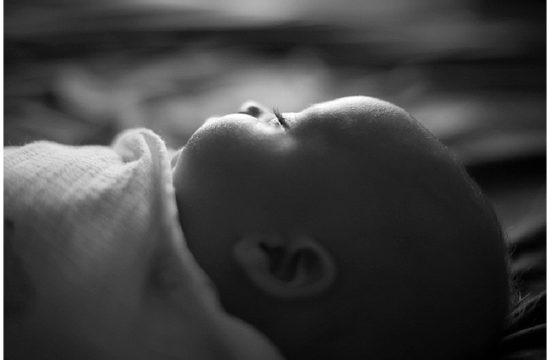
(86, 198)
(95, 229)
(525, 336)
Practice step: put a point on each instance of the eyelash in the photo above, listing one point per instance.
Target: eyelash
(281, 119)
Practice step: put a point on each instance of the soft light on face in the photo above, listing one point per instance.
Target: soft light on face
(322, 172)
(250, 174)
(399, 216)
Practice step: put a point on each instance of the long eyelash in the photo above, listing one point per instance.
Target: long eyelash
(281, 118)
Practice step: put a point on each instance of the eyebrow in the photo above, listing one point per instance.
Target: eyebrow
(281, 118)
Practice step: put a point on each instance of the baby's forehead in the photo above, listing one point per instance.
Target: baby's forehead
(356, 115)
(353, 106)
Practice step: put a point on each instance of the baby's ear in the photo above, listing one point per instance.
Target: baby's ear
(287, 267)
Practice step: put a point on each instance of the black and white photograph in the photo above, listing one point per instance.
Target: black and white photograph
(274, 180)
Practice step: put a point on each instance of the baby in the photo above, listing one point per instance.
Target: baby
(345, 231)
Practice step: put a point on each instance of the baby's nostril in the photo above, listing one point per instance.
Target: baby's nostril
(252, 109)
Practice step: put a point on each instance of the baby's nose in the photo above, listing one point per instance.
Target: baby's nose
(254, 108)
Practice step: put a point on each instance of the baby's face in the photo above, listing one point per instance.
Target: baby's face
(324, 174)
(338, 170)
(248, 174)
(365, 180)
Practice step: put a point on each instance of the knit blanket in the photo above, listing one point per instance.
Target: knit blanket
(94, 231)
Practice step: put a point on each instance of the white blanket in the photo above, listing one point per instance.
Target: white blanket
(96, 229)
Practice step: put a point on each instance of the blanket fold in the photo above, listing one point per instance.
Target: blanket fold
(96, 230)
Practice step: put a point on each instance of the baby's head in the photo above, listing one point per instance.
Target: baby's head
(343, 231)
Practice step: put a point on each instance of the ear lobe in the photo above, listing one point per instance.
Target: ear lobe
(294, 267)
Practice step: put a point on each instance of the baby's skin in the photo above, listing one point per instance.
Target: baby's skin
(344, 231)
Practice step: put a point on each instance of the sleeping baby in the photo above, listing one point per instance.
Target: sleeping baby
(345, 231)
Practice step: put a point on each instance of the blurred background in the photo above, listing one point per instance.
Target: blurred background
(78, 71)
(472, 71)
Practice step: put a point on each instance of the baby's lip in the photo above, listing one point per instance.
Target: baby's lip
(210, 119)
(265, 118)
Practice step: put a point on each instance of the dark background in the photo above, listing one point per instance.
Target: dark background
(472, 71)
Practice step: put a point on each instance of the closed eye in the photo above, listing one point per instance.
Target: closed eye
(281, 119)
(255, 112)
